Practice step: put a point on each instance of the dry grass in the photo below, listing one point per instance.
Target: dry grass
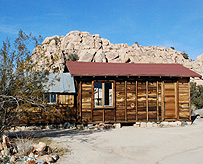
(54, 146)
(24, 145)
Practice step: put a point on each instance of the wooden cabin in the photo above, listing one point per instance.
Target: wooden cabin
(129, 92)
(60, 96)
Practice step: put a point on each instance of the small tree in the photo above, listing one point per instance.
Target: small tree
(73, 57)
(21, 85)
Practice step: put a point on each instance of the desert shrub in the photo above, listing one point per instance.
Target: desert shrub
(73, 57)
(185, 55)
(196, 94)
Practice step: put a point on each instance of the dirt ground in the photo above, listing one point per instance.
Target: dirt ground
(132, 145)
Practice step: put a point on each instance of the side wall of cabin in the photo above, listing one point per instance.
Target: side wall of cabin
(136, 99)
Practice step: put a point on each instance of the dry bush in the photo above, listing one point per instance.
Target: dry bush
(57, 149)
(24, 145)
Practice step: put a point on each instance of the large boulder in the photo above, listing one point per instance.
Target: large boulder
(93, 48)
(49, 39)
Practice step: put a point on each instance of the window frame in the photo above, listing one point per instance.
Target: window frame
(113, 94)
(50, 98)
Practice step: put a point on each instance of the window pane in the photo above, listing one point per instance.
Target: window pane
(98, 94)
(53, 98)
(108, 93)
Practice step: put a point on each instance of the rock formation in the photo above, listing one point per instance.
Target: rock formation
(92, 48)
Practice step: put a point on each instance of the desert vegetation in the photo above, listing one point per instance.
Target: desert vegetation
(21, 85)
(196, 94)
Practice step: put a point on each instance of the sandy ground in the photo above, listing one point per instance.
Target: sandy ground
(129, 145)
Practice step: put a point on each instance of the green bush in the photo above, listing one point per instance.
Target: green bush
(196, 94)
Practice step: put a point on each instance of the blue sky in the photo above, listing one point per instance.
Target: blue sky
(169, 23)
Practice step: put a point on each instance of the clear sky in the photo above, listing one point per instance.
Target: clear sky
(169, 23)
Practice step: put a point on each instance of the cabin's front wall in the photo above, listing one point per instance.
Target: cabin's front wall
(136, 99)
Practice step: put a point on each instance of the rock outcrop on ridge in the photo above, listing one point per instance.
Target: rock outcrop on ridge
(92, 48)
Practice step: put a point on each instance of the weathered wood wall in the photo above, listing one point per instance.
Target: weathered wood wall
(138, 99)
(66, 99)
(63, 111)
(57, 115)
(86, 101)
(183, 103)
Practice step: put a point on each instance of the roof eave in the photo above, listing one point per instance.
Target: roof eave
(155, 75)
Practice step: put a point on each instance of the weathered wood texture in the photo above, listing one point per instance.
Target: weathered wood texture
(169, 89)
(184, 103)
(66, 100)
(58, 115)
(131, 101)
(120, 101)
(86, 101)
(139, 100)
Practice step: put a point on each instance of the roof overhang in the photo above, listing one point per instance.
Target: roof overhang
(129, 69)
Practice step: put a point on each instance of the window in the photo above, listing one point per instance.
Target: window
(50, 97)
(103, 94)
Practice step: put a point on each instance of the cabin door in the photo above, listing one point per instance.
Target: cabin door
(170, 101)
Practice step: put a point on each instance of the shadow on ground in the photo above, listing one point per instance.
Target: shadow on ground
(53, 133)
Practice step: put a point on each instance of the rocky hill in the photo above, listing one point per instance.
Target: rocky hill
(92, 48)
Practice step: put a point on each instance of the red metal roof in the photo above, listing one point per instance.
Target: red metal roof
(128, 69)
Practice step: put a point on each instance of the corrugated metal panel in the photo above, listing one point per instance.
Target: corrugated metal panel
(128, 69)
(60, 83)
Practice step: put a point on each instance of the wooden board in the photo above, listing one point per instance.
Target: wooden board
(131, 101)
(184, 101)
(86, 101)
(170, 99)
(66, 99)
(120, 101)
(141, 101)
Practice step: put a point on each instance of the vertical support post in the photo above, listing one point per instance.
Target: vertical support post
(80, 100)
(177, 88)
(176, 109)
(125, 100)
(162, 101)
(147, 104)
(157, 100)
(103, 88)
(114, 100)
(92, 101)
(136, 101)
(189, 100)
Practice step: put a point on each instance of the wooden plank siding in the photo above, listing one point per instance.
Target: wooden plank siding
(66, 99)
(184, 103)
(131, 101)
(86, 101)
(120, 101)
(141, 101)
(152, 101)
(134, 99)
(138, 99)
(169, 100)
